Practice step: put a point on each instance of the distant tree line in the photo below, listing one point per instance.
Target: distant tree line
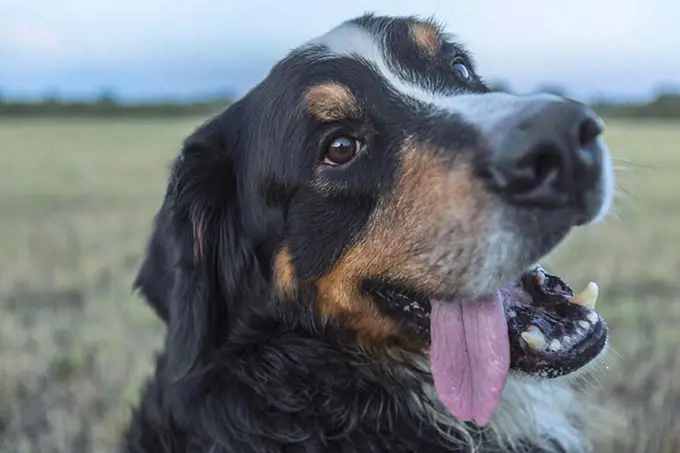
(665, 105)
(106, 105)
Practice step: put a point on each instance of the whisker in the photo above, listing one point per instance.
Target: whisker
(591, 374)
(583, 388)
(598, 364)
(631, 163)
(594, 376)
(620, 189)
(615, 352)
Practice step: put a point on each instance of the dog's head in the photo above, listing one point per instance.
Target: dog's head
(375, 177)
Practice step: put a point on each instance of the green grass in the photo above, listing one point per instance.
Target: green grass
(76, 203)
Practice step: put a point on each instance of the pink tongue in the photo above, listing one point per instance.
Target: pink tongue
(470, 356)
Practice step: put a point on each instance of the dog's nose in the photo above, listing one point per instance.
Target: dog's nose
(549, 157)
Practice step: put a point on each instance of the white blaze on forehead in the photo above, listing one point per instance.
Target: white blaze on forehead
(485, 110)
(352, 40)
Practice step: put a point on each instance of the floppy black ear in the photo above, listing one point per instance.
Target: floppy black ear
(154, 279)
(200, 254)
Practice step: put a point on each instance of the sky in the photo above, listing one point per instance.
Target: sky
(171, 48)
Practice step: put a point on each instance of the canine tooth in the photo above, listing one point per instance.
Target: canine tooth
(588, 297)
(540, 278)
(534, 337)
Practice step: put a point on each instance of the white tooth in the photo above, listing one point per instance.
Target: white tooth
(540, 278)
(588, 297)
(555, 345)
(534, 337)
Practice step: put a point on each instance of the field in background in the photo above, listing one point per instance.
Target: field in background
(76, 203)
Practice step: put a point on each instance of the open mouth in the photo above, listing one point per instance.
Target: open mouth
(535, 325)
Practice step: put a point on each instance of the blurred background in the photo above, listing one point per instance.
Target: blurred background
(95, 98)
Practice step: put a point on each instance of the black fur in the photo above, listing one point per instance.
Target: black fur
(243, 371)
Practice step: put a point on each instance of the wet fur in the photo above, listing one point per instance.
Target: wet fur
(255, 262)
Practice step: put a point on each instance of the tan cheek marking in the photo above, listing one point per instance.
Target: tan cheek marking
(398, 232)
(284, 273)
(426, 37)
(374, 331)
(339, 299)
(331, 102)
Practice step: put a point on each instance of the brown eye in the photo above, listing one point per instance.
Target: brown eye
(341, 150)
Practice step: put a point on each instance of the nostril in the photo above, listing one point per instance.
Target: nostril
(535, 173)
(588, 131)
(546, 163)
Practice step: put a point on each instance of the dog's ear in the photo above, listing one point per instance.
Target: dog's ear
(199, 249)
(154, 279)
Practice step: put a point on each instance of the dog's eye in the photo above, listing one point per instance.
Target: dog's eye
(341, 150)
(461, 70)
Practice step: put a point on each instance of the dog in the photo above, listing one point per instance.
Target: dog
(347, 260)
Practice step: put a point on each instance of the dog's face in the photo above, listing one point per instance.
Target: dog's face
(419, 177)
(373, 175)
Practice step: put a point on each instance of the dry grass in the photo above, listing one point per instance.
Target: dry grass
(76, 201)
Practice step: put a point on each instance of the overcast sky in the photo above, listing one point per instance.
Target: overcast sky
(144, 48)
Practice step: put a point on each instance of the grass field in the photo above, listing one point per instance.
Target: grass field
(76, 203)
